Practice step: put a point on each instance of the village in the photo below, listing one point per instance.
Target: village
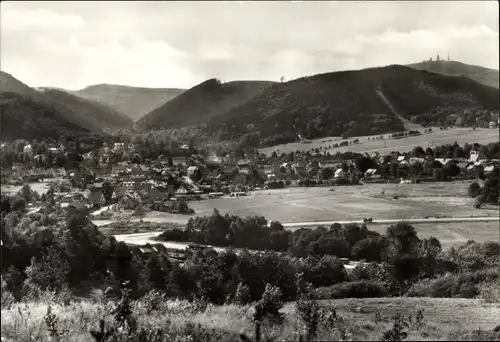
(169, 184)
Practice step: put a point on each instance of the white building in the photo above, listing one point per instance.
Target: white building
(28, 149)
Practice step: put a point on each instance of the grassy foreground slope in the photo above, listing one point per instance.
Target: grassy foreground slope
(477, 73)
(202, 103)
(444, 319)
(134, 102)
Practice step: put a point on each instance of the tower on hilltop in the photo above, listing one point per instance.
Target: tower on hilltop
(437, 59)
(448, 56)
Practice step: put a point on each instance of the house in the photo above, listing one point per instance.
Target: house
(268, 169)
(474, 156)
(133, 185)
(244, 172)
(130, 200)
(443, 161)
(400, 159)
(96, 198)
(238, 194)
(193, 171)
(286, 168)
(372, 174)
(118, 147)
(298, 168)
(136, 171)
(243, 164)
(179, 161)
(118, 193)
(416, 160)
(339, 173)
(129, 184)
(490, 169)
(97, 186)
(181, 190)
(53, 150)
(28, 149)
(60, 172)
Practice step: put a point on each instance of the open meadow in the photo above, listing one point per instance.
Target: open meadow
(435, 138)
(441, 199)
(346, 203)
(440, 318)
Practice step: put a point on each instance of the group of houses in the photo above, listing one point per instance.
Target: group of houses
(160, 185)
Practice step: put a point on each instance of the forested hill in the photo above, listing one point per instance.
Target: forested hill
(360, 102)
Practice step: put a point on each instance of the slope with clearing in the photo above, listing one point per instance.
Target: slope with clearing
(100, 114)
(78, 115)
(486, 76)
(202, 103)
(134, 102)
(22, 117)
(350, 102)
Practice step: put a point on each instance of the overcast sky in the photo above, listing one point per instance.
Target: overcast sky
(179, 44)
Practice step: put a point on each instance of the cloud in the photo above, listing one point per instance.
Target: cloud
(74, 44)
(431, 38)
(19, 20)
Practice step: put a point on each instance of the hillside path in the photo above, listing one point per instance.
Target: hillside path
(407, 123)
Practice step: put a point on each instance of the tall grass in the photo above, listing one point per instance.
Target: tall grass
(186, 321)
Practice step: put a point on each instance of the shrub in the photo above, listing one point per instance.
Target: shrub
(398, 331)
(370, 248)
(476, 335)
(474, 190)
(352, 289)
(463, 285)
(7, 297)
(242, 294)
(342, 181)
(490, 293)
(268, 308)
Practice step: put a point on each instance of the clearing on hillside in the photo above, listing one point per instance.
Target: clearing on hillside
(435, 138)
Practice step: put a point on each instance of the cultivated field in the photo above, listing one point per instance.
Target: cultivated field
(441, 316)
(436, 138)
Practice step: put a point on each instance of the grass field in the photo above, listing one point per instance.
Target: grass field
(293, 205)
(443, 199)
(436, 138)
(453, 234)
(441, 317)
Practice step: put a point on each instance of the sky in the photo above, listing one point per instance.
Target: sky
(179, 44)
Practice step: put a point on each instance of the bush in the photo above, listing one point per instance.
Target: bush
(476, 335)
(463, 285)
(474, 190)
(342, 181)
(351, 289)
